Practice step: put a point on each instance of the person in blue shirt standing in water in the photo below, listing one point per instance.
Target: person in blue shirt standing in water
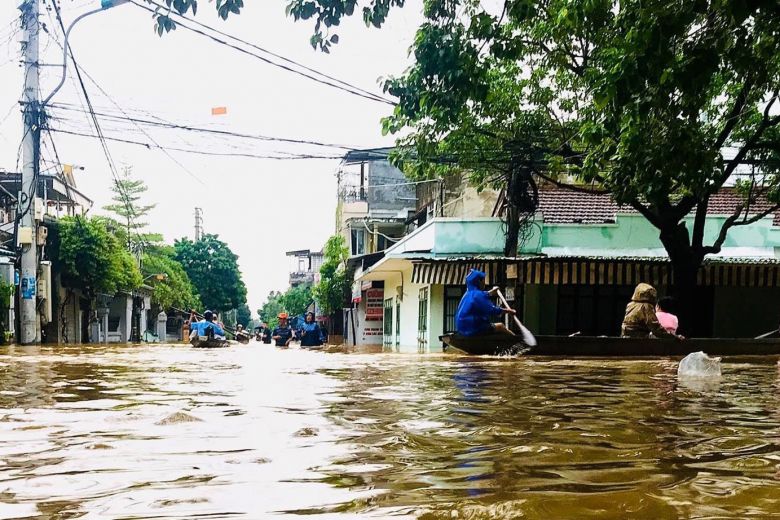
(282, 334)
(310, 333)
(476, 312)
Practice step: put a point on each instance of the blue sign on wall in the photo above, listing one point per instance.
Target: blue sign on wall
(28, 287)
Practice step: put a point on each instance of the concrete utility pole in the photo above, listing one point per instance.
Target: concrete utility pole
(198, 223)
(30, 323)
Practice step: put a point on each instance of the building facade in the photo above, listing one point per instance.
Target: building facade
(579, 262)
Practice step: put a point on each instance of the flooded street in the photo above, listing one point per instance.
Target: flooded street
(251, 432)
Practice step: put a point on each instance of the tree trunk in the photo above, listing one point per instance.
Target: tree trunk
(692, 304)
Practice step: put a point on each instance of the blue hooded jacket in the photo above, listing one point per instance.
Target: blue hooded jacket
(475, 309)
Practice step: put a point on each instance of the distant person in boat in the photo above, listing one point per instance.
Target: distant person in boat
(640, 320)
(207, 327)
(663, 312)
(476, 312)
(310, 332)
(283, 334)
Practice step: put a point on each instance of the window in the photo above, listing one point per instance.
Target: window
(422, 320)
(592, 310)
(358, 242)
(452, 297)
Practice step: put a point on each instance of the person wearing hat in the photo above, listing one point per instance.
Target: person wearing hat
(207, 327)
(282, 334)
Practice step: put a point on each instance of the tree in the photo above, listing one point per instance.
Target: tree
(164, 23)
(333, 285)
(130, 212)
(176, 289)
(213, 269)
(296, 300)
(89, 257)
(271, 308)
(657, 103)
(244, 315)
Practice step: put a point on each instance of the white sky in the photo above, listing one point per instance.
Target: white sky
(261, 208)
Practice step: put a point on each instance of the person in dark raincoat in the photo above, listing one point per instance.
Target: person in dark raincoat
(641, 320)
(310, 332)
(476, 313)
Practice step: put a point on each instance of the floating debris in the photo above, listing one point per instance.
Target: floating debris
(177, 418)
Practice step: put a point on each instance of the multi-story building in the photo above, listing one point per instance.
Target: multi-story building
(305, 268)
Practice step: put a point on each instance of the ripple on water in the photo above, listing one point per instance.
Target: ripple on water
(380, 436)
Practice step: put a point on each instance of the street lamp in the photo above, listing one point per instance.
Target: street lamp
(157, 276)
(104, 6)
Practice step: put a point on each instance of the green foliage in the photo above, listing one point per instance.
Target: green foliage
(271, 309)
(244, 315)
(176, 290)
(129, 213)
(333, 284)
(213, 269)
(296, 300)
(657, 103)
(164, 23)
(89, 257)
(6, 291)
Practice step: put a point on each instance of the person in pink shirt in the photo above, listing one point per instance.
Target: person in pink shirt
(665, 318)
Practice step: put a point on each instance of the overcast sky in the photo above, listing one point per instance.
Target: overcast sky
(261, 208)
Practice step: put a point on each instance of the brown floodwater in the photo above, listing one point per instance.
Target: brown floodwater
(252, 432)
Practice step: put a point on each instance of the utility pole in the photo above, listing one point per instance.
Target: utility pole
(198, 223)
(30, 324)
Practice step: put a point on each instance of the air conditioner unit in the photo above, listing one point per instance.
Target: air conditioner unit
(43, 232)
(44, 290)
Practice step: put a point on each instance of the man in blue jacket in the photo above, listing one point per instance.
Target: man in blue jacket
(476, 312)
(207, 327)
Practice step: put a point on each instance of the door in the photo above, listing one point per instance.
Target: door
(422, 320)
(397, 324)
(452, 297)
(387, 324)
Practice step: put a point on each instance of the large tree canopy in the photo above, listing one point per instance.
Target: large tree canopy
(213, 269)
(175, 288)
(659, 103)
(333, 284)
(89, 257)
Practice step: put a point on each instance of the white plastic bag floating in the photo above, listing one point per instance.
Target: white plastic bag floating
(699, 364)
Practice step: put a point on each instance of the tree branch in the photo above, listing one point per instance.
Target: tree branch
(571, 187)
(734, 114)
(733, 221)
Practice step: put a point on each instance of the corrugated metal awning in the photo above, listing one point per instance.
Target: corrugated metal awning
(601, 271)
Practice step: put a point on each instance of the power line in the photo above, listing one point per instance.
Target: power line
(351, 90)
(276, 55)
(98, 130)
(199, 152)
(177, 126)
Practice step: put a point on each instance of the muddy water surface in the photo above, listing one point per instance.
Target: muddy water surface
(250, 432)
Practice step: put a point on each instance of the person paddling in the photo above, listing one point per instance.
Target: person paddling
(207, 327)
(282, 334)
(476, 312)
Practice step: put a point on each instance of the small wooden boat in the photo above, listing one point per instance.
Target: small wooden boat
(243, 337)
(484, 345)
(208, 342)
(604, 346)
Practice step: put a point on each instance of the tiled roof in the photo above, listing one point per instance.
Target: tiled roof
(562, 206)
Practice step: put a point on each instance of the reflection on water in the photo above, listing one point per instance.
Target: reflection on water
(173, 432)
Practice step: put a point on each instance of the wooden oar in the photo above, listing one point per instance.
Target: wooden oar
(528, 338)
(770, 333)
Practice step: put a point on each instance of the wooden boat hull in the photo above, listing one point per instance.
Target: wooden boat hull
(613, 346)
(243, 337)
(205, 342)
